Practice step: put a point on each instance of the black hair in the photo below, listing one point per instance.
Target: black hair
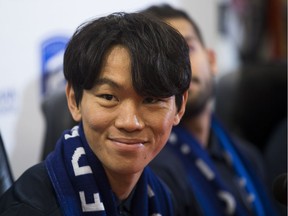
(165, 11)
(160, 65)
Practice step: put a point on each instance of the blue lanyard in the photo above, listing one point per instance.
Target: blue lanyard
(238, 165)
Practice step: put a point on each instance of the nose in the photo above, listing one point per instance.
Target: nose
(129, 118)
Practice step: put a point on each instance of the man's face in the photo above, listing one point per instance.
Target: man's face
(124, 129)
(202, 65)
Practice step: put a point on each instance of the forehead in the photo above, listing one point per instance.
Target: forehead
(183, 26)
(117, 56)
(116, 64)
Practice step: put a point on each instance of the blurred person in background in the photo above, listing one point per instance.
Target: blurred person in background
(209, 170)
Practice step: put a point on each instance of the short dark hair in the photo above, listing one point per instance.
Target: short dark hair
(160, 63)
(165, 11)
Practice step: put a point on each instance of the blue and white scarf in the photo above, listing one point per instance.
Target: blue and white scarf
(82, 186)
(213, 197)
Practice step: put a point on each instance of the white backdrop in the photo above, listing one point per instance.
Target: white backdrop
(24, 26)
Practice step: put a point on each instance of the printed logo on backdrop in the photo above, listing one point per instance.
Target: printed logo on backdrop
(8, 100)
(52, 51)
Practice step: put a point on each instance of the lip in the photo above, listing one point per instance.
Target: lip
(126, 144)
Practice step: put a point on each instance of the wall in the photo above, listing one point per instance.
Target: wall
(25, 25)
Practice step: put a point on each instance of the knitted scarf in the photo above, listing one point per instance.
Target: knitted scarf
(213, 197)
(82, 187)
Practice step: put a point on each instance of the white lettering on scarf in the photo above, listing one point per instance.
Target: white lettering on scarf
(205, 169)
(75, 163)
(150, 191)
(91, 207)
(74, 131)
(151, 194)
(173, 138)
(229, 200)
(185, 149)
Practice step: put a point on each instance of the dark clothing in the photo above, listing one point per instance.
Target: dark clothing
(174, 174)
(72, 181)
(124, 206)
(230, 179)
(23, 198)
(32, 194)
(6, 177)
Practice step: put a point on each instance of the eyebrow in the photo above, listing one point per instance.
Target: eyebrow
(190, 38)
(107, 81)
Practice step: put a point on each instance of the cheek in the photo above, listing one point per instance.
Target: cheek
(200, 65)
(96, 117)
(95, 124)
(162, 129)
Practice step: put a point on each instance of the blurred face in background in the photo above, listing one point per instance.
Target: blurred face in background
(203, 66)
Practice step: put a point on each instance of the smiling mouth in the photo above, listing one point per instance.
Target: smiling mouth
(127, 141)
(128, 145)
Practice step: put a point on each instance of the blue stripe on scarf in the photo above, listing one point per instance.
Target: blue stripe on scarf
(66, 197)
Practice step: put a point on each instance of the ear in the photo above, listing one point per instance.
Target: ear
(181, 111)
(71, 101)
(212, 61)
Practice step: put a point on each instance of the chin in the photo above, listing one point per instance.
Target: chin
(129, 167)
(129, 170)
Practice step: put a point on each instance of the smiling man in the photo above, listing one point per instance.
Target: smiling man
(127, 80)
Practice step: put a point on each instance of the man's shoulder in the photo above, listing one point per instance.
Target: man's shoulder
(168, 163)
(31, 194)
(251, 154)
(171, 170)
(246, 148)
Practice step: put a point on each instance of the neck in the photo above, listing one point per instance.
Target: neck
(122, 184)
(199, 125)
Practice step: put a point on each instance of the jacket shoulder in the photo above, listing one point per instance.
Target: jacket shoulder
(32, 194)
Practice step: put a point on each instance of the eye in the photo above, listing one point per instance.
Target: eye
(191, 48)
(107, 100)
(151, 100)
(107, 97)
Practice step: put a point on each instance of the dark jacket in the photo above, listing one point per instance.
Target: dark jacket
(174, 174)
(22, 198)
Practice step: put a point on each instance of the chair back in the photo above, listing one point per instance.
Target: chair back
(6, 177)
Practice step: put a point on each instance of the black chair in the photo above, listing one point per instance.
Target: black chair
(253, 101)
(275, 156)
(6, 177)
(57, 119)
